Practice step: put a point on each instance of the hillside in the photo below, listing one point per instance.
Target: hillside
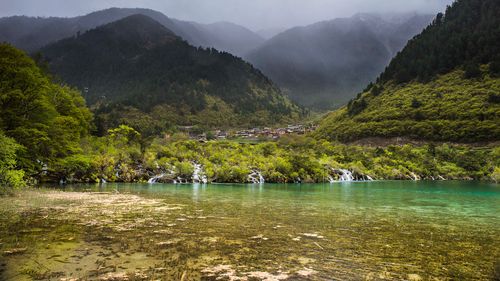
(41, 123)
(135, 66)
(325, 64)
(443, 86)
(30, 33)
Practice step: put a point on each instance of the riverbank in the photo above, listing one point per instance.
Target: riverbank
(289, 160)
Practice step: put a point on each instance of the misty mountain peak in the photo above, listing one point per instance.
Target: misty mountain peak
(140, 29)
(327, 63)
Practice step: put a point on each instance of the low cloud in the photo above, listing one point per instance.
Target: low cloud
(255, 14)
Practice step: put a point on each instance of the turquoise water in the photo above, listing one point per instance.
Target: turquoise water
(342, 231)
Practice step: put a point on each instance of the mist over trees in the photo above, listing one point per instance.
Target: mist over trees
(30, 33)
(136, 69)
(325, 64)
(443, 86)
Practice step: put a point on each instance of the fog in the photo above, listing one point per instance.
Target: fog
(254, 14)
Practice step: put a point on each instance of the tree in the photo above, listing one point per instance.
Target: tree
(47, 119)
(472, 70)
(10, 176)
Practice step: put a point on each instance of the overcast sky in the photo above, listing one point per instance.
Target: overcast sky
(254, 14)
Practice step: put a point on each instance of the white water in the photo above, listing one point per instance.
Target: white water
(331, 179)
(198, 176)
(155, 178)
(346, 175)
(256, 177)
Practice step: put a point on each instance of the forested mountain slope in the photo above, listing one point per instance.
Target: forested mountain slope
(30, 33)
(137, 65)
(444, 85)
(325, 64)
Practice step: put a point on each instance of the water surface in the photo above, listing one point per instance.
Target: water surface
(342, 231)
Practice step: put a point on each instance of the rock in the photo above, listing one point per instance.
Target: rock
(312, 235)
(414, 277)
(260, 236)
(306, 272)
(15, 251)
(118, 276)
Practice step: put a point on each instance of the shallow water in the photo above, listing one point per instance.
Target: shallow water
(342, 231)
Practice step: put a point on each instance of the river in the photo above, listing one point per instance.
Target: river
(387, 230)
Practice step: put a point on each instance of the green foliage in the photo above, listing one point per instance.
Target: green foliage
(466, 36)
(10, 176)
(48, 120)
(495, 67)
(136, 72)
(288, 160)
(437, 88)
(355, 106)
(416, 103)
(449, 108)
(472, 70)
(124, 135)
(376, 90)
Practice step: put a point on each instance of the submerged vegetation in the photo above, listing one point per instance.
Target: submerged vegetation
(363, 231)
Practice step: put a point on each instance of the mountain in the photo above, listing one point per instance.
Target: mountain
(30, 34)
(268, 33)
(135, 68)
(443, 86)
(325, 64)
(229, 37)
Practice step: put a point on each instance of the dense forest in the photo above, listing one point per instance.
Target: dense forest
(41, 123)
(443, 86)
(324, 65)
(32, 33)
(45, 137)
(48, 134)
(137, 65)
(466, 36)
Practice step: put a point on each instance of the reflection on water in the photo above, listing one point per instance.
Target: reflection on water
(345, 231)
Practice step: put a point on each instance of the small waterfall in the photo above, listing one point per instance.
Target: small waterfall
(198, 176)
(155, 178)
(331, 179)
(256, 177)
(103, 180)
(414, 176)
(345, 175)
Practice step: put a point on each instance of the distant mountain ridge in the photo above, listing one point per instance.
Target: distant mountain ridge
(321, 65)
(443, 86)
(30, 33)
(137, 65)
(325, 64)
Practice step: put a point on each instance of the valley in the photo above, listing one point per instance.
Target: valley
(139, 146)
